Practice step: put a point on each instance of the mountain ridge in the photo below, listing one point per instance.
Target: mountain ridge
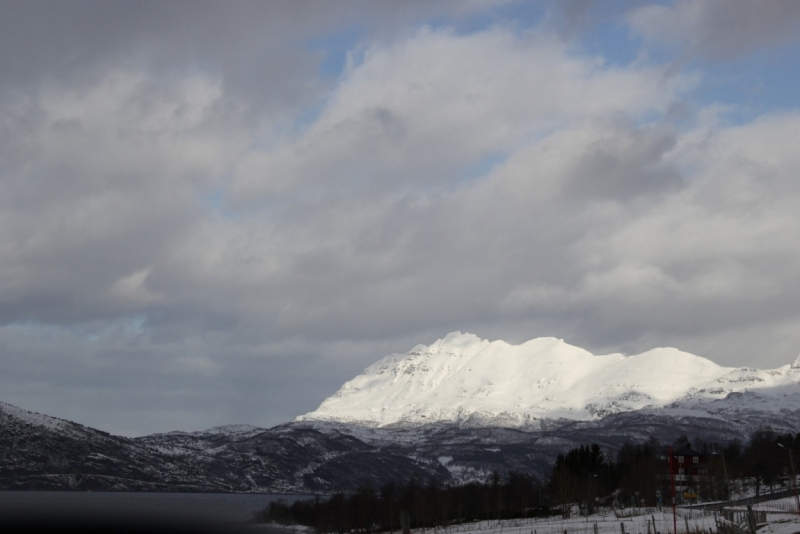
(461, 379)
(616, 399)
(40, 452)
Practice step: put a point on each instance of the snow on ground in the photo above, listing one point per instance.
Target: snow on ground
(609, 523)
(637, 521)
(788, 504)
(606, 524)
(47, 422)
(784, 525)
(742, 488)
(33, 418)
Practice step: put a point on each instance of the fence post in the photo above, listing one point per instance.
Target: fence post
(751, 520)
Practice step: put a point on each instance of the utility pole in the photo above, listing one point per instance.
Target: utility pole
(794, 483)
(725, 467)
(672, 479)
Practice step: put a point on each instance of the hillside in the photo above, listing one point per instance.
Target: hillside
(38, 452)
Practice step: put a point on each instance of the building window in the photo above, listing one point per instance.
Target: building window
(696, 459)
(680, 459)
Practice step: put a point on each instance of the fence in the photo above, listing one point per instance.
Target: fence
(784, 505)
(742, 516)
(629, 521)
(602, 523)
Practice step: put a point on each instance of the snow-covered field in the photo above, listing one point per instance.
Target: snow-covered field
(784, 525)
(788, 504)
(608, 523)
(742, 488)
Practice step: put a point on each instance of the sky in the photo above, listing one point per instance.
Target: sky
(218, 212)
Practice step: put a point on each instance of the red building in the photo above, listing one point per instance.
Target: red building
(690, 466)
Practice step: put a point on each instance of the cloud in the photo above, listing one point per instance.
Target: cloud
(713, 252)
(98, 182)
(426, 109)
(198, 227)
(718, 29)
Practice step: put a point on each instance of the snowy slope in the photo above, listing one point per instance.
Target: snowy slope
(37, 419)
(463, 379)
(38, 452)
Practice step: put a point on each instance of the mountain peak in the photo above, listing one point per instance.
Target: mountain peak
(467, 380)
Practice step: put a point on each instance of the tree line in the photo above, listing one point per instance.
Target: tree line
(586, 477)
(416, 506)
(638, 474)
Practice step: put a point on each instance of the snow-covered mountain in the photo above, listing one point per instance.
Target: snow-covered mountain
(39, 452)
(472, 382)
(456, 410)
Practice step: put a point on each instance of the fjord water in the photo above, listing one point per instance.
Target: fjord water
(227, 507)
